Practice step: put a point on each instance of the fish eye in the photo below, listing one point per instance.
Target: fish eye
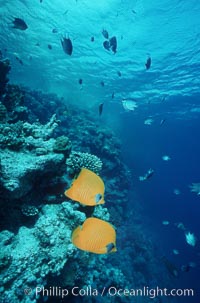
(98, 197)
(109, 247)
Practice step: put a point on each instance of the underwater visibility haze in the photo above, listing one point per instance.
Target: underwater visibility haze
(99, 151)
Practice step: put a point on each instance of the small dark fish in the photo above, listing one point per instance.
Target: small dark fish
(119, 73)
(113, 95)
(37, 44)
(54, 31)
(49, 46)
(134, 12)
(80, 81)
(106, 45)
(172, 269)
(185, 268)
(105, 33)
(148, 63)
(109, 247)
(40, 1)
(150, 173)
(100, 108)
(19, 60)
(162, 121)
(102, 83)
(92, 39)
(19, 24)
(113, 44)
(67, 45)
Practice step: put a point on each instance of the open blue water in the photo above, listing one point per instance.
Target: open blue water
(143, 147)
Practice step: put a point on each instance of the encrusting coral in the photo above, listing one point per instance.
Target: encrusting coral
(62, 145)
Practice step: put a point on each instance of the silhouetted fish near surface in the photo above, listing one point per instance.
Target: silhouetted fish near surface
(49, 46)
(19, 60)
(105, 33)
(92, 39)
(80, 81)
(67, 45)
(119, 73)
(113, 44)
(148, 63)
(100, 108)
(106, 45)
(19, 24)
(163, 98)
(102, 83)
(113, 95)
(65, 13)
(54, 30)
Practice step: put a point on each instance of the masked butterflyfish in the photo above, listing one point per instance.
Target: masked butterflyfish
(87, 189)
(96, 236)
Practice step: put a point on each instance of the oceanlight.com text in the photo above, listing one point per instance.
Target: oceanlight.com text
(112, 291)
(151, 292)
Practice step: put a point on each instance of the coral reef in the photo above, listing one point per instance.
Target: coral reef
(46, 250)
(36, 165)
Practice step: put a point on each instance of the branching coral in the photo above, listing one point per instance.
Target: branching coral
(195, 188)
(77, 160)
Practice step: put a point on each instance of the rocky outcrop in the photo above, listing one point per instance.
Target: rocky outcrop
(20, 171)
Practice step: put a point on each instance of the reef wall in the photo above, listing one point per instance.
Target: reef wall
(43, 143)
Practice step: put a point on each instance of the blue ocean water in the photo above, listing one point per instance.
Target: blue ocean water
(161, 118)
(144, 146)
